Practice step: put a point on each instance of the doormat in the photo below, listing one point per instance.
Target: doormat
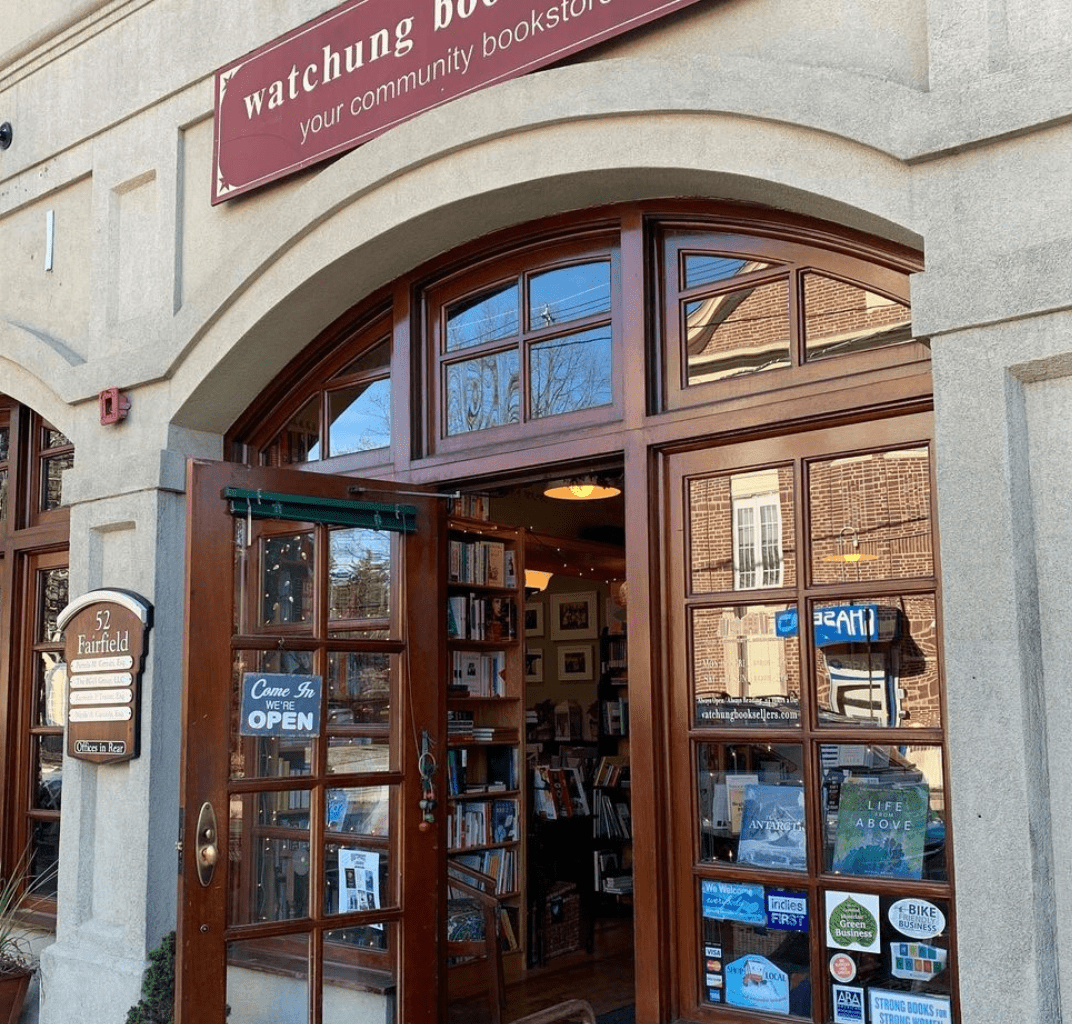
(624, 1015)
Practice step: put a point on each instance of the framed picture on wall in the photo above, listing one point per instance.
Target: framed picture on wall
(534, 665)
(575, 663)
(574, 616)
(534, 618)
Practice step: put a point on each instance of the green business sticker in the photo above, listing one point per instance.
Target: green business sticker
(852, 921)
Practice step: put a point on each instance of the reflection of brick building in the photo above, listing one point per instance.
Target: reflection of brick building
(868, 520)
(748, 329)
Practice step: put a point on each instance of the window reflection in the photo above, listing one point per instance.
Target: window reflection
(359, 574)
(359, 417)
(490, 316)
(840, 317)
(483, 392)
(745, 673)
(741, 530)
(707, 268)
(568, 293)
(570, 373)
(739, 332)
(870, 516)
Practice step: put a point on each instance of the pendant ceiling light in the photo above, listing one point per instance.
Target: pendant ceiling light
(581, 488)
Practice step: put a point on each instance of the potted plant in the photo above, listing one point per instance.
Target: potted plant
(17, 962)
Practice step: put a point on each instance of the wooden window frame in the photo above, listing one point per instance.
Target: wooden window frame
(31, 540)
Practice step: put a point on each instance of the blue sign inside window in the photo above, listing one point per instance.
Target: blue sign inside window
(280, 705)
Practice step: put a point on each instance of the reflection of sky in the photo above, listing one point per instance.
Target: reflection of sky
(365, 423)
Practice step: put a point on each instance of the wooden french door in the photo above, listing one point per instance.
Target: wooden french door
(310, 882)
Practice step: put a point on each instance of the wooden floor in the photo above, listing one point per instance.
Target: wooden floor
(604, 978)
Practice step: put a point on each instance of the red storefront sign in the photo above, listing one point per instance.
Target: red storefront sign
(368, 65)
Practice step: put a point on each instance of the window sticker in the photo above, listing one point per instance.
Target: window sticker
(918, 919)
(843, 967)
(907, 1008)
(852, 921)
(848, 1005)
(916, 961)
(729, 901)
(787, 911)
(756, 983)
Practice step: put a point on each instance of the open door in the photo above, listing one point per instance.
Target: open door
(311, 884)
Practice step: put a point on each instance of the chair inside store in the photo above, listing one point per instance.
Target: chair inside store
(473, 929)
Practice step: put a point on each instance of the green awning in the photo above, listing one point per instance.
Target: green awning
(303, 508)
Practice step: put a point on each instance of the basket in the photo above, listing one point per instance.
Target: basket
(561, 920)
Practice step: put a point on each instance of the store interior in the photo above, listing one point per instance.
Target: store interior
(574, 744)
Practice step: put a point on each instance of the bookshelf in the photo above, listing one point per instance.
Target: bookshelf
(612, 829)
(485, 798)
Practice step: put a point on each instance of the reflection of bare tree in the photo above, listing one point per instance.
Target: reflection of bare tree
(360, 574)
(570, 373)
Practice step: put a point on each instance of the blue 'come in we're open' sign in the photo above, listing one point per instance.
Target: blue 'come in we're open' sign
(280, 705)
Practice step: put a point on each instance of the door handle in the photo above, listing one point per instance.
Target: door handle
(207, 852)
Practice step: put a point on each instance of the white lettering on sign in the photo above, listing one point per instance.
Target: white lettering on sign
(104, 679)
(106, 643)
(289, 721)
(99, 714)
(102, 664)
(102, 697)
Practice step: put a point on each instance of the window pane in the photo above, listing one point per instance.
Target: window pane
(362, 811)
(737, 332)
(5, 442)
(48, 769)
(884, 810)
(54, 585)
(299, 440)
(741, 531)
(840, 317)
(356, 880)
(360, 575)
(490, 316)
(3, 495)
(896, 946)
(287, 567)
(51, 699)
(52, 471)
(746, 671)
(707, 268)
(269, 841)
(268, 979)
(870, 517)
(568, 293)
(570, 373)
(378, 357)
(268, 756)
(483, 392)
(53, 438)
(755, 952)
(877, 662)
(46, 858)
(359, 418)
(359, 711)
(751, 804)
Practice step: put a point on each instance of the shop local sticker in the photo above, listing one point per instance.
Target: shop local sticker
(916, 961)
(852, 921)
(728, 901)
(754, 982)
(917, 919)
(843, 967)
(848, 1005)
(907, 1008)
